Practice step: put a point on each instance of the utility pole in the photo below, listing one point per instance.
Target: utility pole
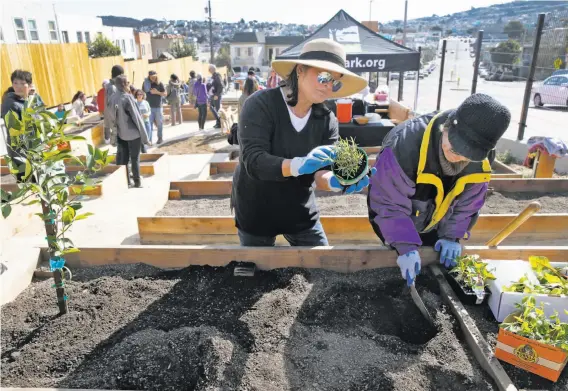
(370, 4)
(211, 34)
(401, 74)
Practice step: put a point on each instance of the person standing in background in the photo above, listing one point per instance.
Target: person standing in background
(110, 90)
(250, 88)
(101, 106)
(217, 87)
(174, 98)
(130, 130)
(190, 84)
(155, 91)
(144, 108)
(273, 80)
(200, 93)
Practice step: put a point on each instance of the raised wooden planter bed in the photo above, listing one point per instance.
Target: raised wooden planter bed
(541, 229)
(112, 181)
(150, 163)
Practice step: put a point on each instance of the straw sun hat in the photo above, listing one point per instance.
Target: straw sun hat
(327, 55)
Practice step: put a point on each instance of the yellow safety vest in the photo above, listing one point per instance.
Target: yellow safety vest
(443, 201)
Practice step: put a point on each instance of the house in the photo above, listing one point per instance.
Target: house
(28, 23)
(123, 37)
(143, 45)
(79, 29)
(161, 43)
(255, 50)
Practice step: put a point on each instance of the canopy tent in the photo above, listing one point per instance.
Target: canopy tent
(366, 50)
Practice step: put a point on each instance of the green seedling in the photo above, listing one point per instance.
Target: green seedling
(471, 272)
(551, 280)
(348, 158)
(38, 138)
(531, 322)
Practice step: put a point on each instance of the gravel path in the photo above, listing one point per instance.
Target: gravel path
(356, 204)
(136, 327)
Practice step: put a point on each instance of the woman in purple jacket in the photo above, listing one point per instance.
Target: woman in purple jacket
(431, 179)
(200, 94)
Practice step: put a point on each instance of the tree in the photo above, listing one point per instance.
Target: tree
(514, 29)
(436, 28)
(180, 49)
(223, 58)
(449, 32)
(103, 47)
(399, 30)
(42, 145)
(506, 53)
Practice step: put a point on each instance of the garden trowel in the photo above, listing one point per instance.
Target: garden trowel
(420, 304)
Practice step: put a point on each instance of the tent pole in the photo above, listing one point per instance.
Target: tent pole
(417, 78)
(440, 82)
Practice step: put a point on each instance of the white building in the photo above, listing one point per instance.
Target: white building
(255, 50)
(41, 22)
(26, 22)
(79, 29)
(123, 37)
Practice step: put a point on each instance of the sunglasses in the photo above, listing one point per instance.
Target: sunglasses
(326, 77)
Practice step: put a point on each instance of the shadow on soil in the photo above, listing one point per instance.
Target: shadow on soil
(287, 329)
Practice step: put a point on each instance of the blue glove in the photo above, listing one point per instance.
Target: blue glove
(317, 158)
(409, 264)
(450, 251)
(334, 184)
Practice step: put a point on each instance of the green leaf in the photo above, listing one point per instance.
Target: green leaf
(6, 210)
(28, 170)
(68, 215)
(70, 250)
(83, 216)
(14, 133)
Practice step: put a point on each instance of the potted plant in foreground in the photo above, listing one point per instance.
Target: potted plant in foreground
(469, 278)
(351, 163)
(532, 341)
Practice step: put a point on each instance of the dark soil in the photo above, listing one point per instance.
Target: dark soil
(331, 204)
(136, 327)
(489, 328)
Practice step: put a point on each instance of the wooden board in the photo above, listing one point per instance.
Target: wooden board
(541, 229)
(512, 185)
(501, 168)
(547, 185)
(343, 259)
(478, 345)
(230, 166)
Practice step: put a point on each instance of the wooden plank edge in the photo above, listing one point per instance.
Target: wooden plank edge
(478, 345)
(345, 259)
(174, 194)
(500, 166)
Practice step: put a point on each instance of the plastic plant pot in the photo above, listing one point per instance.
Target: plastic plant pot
(466, 294)
(360, 173)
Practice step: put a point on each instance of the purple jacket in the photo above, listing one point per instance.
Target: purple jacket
(390, 198)
(200, 93)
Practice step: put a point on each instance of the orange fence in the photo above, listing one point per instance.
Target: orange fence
(60, 70)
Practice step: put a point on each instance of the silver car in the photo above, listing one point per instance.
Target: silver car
(553, 91)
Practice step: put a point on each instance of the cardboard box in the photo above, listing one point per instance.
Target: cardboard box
(532, 356)
(503, 303)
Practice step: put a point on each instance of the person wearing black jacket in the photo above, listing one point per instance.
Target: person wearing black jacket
(285, 138)
(217, 85)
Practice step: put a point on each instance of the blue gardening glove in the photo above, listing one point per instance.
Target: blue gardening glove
(317, 158)
(334, 184)
(409, 264)
(450, 250)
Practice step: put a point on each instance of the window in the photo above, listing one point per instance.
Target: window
(32, 27)
(143, 48)
(65, 36)
(277, 51)
(123, 46)
(249, 51)
(52, 30)
(132, 45)
(79, 36)
(88, 37)
(118, 43)
(238, 52)
(20, 29)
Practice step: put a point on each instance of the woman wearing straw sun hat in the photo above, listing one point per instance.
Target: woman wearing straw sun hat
(285, 136)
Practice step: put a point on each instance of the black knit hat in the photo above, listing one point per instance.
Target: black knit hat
(476, 126)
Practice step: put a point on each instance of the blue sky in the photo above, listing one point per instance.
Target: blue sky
(288, 11)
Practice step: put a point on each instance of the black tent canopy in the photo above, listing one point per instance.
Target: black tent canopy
(366, 50)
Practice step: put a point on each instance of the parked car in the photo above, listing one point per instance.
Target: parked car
(422, 74)
(411, 75)
(560, 72)
(483, 73)
(394, 75)
(553, 91)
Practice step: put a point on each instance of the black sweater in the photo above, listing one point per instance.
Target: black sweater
(266, 203)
